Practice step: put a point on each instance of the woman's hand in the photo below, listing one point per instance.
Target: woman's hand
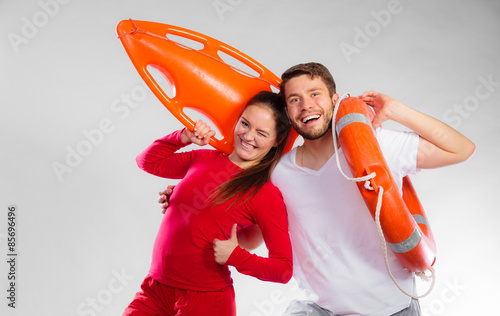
(224, 248)
(200, 136)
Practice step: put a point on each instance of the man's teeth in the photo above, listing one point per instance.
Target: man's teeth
(312, 117)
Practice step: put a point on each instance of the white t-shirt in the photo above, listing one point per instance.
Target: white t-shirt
(338, 258)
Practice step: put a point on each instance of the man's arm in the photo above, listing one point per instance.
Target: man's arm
(165, 197)
(440, 145)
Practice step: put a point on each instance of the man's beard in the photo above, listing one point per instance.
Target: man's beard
(318, 133)
(315, 134)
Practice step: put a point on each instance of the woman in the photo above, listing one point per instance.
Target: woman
(217, 192)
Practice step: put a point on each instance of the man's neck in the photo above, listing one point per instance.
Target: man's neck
(313, 154)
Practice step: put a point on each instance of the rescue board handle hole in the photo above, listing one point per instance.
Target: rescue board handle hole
(187, 42)
(161, 78)
(195, 115)
(238, 65)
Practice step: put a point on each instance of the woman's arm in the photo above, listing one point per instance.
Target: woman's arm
(272, 220)
(250, 237)
(160, 158)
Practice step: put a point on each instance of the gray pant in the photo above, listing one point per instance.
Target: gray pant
(308, 308)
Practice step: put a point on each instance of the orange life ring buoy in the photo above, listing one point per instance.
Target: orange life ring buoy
(200, 78)
(402, 219)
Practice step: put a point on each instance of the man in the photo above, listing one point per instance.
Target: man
(338, 259)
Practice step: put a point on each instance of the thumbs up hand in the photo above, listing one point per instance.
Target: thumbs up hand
(224, 248)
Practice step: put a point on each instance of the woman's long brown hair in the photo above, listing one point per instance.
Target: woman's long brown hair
(253, 178)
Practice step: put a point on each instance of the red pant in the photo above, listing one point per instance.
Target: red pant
(156, 299)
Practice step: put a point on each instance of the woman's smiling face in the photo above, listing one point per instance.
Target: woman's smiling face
(254, 135)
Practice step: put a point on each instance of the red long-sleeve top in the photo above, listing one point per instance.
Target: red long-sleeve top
(183, 255)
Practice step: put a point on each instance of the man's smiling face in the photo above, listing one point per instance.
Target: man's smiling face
(309, 106)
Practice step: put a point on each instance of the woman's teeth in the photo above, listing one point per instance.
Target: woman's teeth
(247, 146)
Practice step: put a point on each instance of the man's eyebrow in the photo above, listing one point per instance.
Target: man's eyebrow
(309, 90)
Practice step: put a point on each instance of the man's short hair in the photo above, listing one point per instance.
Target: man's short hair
(311, 69)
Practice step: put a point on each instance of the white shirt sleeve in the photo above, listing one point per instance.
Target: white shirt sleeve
(400, 151)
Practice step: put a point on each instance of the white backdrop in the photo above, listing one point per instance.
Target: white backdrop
(75, 113)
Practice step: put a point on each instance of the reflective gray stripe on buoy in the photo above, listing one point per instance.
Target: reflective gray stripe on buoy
(420, 219)
(351, 118)
(408, 244)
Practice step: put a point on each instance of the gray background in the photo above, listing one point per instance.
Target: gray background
(85, 236)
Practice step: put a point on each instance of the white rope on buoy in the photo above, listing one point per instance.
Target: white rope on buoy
(422, 275)
(360, 179)
(368, 186)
